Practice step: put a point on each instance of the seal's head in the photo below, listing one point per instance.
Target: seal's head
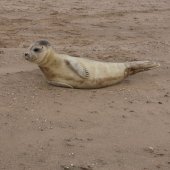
(38, 51)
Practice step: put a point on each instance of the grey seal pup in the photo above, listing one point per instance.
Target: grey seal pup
(76, 72)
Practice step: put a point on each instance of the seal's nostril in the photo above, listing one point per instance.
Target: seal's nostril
(26, 54)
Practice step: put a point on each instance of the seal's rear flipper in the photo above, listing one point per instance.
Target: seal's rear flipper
(139, 66)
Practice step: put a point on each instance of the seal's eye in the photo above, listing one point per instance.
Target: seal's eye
(36, 49)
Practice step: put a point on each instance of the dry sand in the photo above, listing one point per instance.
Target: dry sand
(122, 127)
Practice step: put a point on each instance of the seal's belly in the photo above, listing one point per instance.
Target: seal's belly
(100, 75)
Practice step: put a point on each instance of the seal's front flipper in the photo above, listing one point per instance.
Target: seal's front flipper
(78, 68)
(59, 84)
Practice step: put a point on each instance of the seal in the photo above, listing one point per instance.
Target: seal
(76, 72)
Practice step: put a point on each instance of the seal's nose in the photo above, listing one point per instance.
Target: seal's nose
(26, 54)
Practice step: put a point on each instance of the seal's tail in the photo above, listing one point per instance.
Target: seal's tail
(139, 66)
